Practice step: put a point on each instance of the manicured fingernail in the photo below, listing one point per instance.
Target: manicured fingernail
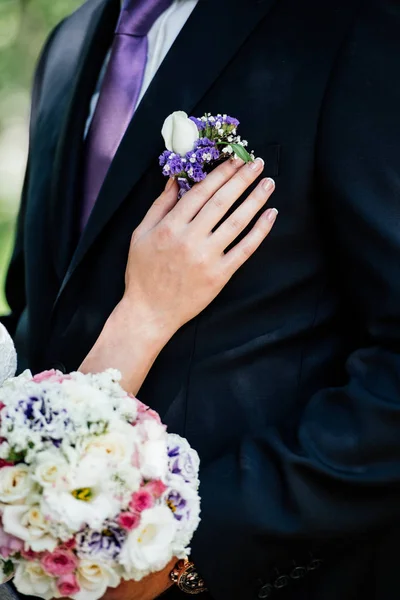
(238, 162)
(271, 214)
(169, 184)
(268, 184)
(256, 165)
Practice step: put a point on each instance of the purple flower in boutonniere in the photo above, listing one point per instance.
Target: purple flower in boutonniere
(195, 145)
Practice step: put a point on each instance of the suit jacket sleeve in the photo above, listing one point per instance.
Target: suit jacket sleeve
(15, 282)
(339, 474)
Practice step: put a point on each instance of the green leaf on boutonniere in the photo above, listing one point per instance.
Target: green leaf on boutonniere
(241, 152)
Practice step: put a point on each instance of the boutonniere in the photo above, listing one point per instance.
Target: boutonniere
(196, 145)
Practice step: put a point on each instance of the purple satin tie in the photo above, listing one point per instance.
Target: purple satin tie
(119, 94)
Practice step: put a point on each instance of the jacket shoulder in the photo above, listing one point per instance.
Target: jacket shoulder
(62, 50)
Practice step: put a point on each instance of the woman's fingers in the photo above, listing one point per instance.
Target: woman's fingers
(243, 215)
(219, 204)
(160, 208)
(194, 200)
(236, 257)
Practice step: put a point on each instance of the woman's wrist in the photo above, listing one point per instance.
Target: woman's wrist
(130, 342)
(148, 327)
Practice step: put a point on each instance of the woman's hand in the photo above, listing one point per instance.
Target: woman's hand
(177, 262)
(149, 588)
(177, 265)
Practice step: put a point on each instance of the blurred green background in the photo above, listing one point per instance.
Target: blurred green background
(24, 25)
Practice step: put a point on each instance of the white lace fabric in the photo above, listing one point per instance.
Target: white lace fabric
(8, 356)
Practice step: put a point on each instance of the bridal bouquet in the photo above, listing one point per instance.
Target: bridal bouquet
(92, 488)
(195, 145)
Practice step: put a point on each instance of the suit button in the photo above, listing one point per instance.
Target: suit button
(266, 591)
(281, 582)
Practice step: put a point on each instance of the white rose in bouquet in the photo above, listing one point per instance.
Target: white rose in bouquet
(94, 577)
(28, 523)
(180, 133)
(148, 547)
(31, 579)
(15, 483)
(52, 469)
(116, 446)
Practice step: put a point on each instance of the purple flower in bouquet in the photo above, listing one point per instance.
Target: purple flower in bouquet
(182, 500)
(105, 544)
(39, 417)
(182, 460)
(177, 504)
(196, 145)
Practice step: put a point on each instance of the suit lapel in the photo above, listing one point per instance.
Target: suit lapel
(87, 35)
(221, 27)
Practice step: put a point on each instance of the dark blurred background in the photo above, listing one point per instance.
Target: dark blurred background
(24, 25)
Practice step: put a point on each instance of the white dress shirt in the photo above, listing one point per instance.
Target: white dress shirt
(160, 38)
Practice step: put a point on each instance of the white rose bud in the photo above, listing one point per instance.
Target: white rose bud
(180, 133)
(15, 484)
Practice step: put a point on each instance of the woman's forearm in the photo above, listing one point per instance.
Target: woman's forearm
(178, 263)
(130, 342)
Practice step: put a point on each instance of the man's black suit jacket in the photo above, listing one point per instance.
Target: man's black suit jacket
(289, 383)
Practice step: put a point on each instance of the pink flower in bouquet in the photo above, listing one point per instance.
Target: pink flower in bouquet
(141, 500)
(135, 460)
(3, 462)
(67, 585)
(52, 375)
(59, 562)
(30, 554)
(156, 488)
(9, 544)
(128, 520)
(70, 544)
(145, 413)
